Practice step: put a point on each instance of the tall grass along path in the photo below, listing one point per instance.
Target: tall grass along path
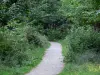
(52, 63)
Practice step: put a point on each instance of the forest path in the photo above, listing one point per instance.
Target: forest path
(52, 63)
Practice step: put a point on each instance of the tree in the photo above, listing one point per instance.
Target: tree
(81, 13)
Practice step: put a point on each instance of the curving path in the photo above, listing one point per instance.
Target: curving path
(52, 63)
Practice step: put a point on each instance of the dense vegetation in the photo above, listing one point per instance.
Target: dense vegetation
(25, 28)
(81, 46)
(27, 25)
(44, 15)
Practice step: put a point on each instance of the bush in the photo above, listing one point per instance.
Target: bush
(17, 41)
(12, 48)
(36, 38)
(83, 42)
(4, 47)
(56, 34)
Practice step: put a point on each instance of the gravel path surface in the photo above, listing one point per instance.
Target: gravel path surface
(52, 63)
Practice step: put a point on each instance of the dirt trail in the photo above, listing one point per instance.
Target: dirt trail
(52, 63)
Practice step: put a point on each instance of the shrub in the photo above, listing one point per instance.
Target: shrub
(5, 48)
(12, 48)
(83, 42)
(17, 41)
(56, 34)
(36, 38)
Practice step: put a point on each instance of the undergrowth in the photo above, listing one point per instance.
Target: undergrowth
(19, 54)
(72, 68)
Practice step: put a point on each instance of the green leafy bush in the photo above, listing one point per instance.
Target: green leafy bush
(36, 38)
(84, 43)
(56, 34)
(5, 48)
(81, 13)
(12, 48)
(16, 41)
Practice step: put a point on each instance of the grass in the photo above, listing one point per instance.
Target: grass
(76, 69)
(36, 54)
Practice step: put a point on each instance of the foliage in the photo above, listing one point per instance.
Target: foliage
(83, 44)
(41, 14)
(11, 50)
(14, 44)
(25, 26)
(36, 38)
(17, 55)
(81, 48)
(72, 68)
(85, 69)
(48, 19)
(80, 13)
(35, 56)
(57, 33)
